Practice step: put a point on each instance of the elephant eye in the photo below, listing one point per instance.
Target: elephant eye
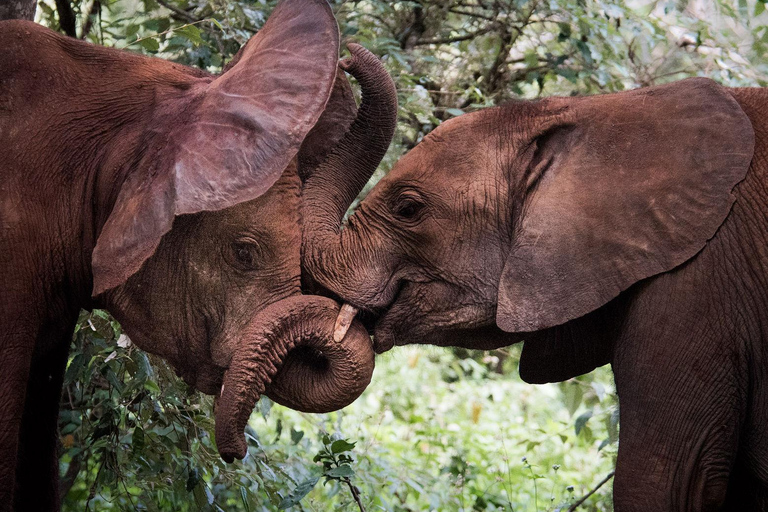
(246, 254)
(408, 207)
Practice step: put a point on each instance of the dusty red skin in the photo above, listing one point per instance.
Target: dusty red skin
(288, 352)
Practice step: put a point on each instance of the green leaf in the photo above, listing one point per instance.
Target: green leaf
(581, 421)
(341, 446)
(343, 471)
(265, 405)
(244, 499)
(573, 395)
(112, 378)
(454, 111)
(137, 444)
(296, 435)
(193, 477)
(298, 493)
(759, 8)
(150, 44)
(191, 32)
(151, 386)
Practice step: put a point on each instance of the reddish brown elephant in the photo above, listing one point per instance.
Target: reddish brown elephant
(172, 198)
(627, 228)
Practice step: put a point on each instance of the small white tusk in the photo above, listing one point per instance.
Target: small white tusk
(343, 321)
(221, 393)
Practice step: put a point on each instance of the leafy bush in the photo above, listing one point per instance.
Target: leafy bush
(432, 432)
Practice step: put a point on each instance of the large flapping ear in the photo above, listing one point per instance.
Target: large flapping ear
(338, 116)
(632, 184)
(240, 132)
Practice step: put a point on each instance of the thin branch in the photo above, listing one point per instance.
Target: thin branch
(166, 32)
(68, 480)
(590, 493)
(179, 12)
(456, 39)
(355, 494)
(471, 14)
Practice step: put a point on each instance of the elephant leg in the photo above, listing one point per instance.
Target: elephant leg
(15, 357)
(37, 473)
(679, 439)
(682, 381)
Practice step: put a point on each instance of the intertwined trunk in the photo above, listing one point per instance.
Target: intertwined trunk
(288, 352)
(328, 253)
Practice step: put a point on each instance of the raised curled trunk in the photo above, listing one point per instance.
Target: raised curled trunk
(288, 352)
(330, 188)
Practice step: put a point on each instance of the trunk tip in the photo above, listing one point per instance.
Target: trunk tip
(234, 450)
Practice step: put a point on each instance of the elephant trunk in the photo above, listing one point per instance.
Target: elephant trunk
(329, 189)
(289, 353)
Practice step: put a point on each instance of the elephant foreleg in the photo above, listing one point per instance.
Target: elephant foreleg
(682, 408)
(37, 473)
(15, 356)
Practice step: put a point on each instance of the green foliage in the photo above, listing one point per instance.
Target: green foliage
(431, 432)
(436, 430)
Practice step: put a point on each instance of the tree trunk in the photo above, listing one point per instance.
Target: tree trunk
(17, 9)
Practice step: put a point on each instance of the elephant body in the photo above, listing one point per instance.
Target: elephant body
(629, 229)
(694, 406)
(170, 197)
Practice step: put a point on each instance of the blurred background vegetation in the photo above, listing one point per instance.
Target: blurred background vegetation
(437, 429)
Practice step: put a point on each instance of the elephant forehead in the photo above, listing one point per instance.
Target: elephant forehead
(456, 153)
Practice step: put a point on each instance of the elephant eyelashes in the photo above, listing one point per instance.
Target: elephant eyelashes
(408, 207)
(246, 254)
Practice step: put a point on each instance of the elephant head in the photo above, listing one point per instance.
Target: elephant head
(199, 258)
(520, 218)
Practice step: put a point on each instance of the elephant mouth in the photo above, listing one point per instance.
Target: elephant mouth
(381, 321)
(408, 319)
(205, 377)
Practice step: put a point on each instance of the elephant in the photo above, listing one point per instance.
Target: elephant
(628, 228)
(172, 198)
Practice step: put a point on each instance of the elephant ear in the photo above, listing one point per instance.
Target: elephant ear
(229, 140)
(621, 187)
(338, 116)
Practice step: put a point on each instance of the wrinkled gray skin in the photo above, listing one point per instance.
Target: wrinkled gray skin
(628, 229)
(172, 198)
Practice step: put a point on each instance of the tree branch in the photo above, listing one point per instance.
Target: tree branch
(179, 12)
(67, 20)
(18, 10)
(470, 14)
(456, 39)
(590, 493)
(355, 494)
